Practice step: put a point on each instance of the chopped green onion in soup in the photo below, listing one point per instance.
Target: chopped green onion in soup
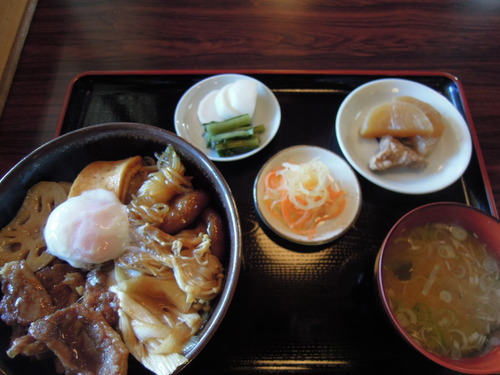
(443, 285)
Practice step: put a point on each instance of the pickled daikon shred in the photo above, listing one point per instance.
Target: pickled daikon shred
(303, 196)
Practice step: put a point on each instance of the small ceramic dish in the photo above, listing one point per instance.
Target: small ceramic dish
(446, 163)
(343, 177)
(189, 127)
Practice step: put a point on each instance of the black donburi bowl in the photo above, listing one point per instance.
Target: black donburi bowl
(62, 158)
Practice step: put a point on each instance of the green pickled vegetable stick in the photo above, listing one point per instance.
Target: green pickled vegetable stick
(258, 129)
(237, 133)
(211, 140)
(227, 125)
(237, 146)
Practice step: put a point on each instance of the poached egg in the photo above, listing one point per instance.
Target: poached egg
(88, 229)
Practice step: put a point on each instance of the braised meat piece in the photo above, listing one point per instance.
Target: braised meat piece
(393, 154)
(82, 341)
(98, 297)
(63, 283)
(77, 330)
(28, 346)
(24, 300)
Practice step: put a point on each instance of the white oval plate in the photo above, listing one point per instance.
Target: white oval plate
(344, 178)
(447, 162)
(189, 127)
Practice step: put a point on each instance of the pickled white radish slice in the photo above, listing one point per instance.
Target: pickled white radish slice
(243, 96)
(222, 104)
(234, 99)
(206, 109)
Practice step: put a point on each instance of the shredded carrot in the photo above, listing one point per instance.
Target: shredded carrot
(280, 202)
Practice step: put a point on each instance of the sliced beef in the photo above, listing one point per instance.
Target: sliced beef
(24, 300)
(63, 283)
(82, 341)
(28, 346)
(73, 329)
(99, 298)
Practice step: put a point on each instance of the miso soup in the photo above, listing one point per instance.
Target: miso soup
(443, 285)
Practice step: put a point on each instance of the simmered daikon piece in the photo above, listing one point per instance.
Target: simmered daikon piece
(425, 145)
(398, 119)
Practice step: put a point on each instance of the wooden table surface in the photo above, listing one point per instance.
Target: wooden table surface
(66, 38)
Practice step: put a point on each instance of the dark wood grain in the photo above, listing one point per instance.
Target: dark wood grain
(69, 37)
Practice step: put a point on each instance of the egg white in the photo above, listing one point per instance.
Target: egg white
(88, 229)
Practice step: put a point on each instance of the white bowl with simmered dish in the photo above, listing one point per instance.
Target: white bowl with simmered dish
(158, 296)
(394, 159)
(438, 276)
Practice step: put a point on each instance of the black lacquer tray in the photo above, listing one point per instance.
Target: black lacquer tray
(297, 309)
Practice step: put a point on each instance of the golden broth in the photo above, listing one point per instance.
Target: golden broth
(443, 286)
